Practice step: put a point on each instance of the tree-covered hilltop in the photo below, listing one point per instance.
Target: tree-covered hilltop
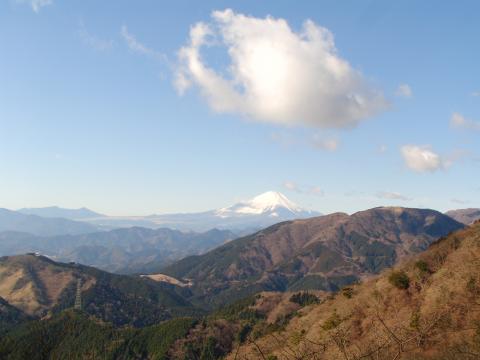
(75, 335)
(39, 286)
(10, 316)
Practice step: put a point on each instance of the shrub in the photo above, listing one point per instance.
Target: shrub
(399, 279)
(415, 321)
(422, 266)
(332, 322)
(304, 298)
(243, 333)
(472, 287)
(347, 292)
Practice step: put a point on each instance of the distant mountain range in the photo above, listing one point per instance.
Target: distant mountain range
(42, 226)
(251, 215)
(57, 212)
(323, 253)
(127, 250)
(465, 216)
(136, 244)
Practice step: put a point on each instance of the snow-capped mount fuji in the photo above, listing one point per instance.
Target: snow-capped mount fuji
(271, 204)
(261, 211)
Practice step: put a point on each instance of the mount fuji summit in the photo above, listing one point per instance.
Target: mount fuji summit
(270, 204)
(261, 211)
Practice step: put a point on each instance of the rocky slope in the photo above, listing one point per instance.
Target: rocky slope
(322, 253)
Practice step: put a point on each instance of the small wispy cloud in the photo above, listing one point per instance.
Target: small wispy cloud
(137, 46)
(404, 90)
(476, 93)
(392, 196)
(36, 5)
(354, 193)
(382, 149)
(459, 201)
(322, 143)
(317, 141)
(284, 139)
(459, 121)
(309, 190)
(93, 41)
(422, 158)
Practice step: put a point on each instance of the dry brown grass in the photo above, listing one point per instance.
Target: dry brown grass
(437, 317)
(35, 286)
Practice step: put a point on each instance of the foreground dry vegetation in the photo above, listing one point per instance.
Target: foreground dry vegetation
(426, 308)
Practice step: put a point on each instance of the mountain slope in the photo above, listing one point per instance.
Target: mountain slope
(322, 253)
(74, 335)
(33, 224)
(57, 212)
(426, 308)
(465, 216)
(124, 250)
(10, 316)
(39, 286)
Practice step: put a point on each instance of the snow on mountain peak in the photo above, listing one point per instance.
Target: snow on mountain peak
(265, 203)
(271, 200)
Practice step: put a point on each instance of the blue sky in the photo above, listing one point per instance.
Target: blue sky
(93, 115)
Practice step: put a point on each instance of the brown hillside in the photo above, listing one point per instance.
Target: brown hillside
(465, 216)
(39, 286)
(427, 308)
(322, 253)
(35, 286)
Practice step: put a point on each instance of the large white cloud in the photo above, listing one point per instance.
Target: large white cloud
(422, 158)
(276, 74)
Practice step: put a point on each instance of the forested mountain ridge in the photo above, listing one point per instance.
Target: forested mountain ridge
(323, 253)
(425, 308)
(126, 250)
(40, 287)
(75, 335)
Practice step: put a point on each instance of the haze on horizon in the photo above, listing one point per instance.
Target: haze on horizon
(184, 108)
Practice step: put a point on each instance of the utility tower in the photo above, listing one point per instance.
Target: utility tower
(78, 295)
